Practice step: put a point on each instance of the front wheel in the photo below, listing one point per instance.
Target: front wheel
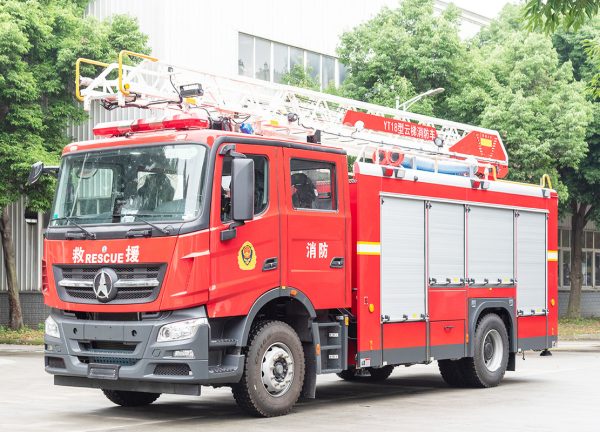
(274, 370)
(490, 358)
(130, 398)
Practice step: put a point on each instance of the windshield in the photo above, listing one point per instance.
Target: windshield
(158, 183)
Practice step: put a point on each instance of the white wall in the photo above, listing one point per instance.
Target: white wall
(204, 34)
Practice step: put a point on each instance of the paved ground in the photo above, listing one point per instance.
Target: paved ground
(555, 393)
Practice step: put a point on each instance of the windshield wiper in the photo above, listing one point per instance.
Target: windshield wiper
(165, 231)
(71, 219)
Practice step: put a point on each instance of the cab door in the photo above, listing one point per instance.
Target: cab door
(244, 267)
(314, 226)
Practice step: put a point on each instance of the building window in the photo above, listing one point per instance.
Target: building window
(313, 65)
(245, 55)
(328, 72)
(296, 57)
(270, 61)
(597, 269)
(281, 61)
(590, 259)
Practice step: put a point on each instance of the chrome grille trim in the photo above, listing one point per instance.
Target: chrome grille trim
(136, 283)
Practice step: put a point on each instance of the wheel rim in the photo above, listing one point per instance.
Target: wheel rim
(277, 369)
(492, 350)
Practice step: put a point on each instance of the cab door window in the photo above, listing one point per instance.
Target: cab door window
(261, 183)
(313, 185)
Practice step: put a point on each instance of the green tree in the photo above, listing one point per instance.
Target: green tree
(39, 43)
(549, 15)
(298, 77)
(529, 95)
(583, 181)
(403, 52)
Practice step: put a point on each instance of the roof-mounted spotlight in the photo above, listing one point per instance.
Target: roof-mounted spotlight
(438, 141)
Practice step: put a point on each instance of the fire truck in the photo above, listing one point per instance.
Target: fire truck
(220, 240)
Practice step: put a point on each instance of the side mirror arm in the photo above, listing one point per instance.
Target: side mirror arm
(231, 232)
(229, 150)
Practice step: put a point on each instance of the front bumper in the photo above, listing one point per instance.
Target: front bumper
(124, 355)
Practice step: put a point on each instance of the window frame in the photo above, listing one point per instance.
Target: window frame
(333, 182)
(564, 248)
(339, 70)
(267, 182)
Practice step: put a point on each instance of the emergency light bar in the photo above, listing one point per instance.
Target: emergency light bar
(177, 121)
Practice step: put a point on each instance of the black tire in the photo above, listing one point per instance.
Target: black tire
(451, 371)
(348, 375)
(269, 340)
(380, 374)
(367, 375)
(130, 398)
(488, 365)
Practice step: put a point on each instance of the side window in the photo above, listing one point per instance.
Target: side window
(313, 185)
(261, 183)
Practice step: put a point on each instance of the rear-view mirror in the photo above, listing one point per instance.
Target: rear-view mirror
(37, 169)
(242, 189)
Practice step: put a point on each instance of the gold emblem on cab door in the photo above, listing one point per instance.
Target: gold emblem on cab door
(247, 257)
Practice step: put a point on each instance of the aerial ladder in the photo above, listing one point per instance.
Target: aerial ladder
(365, 130)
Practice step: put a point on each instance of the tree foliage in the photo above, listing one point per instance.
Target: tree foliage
(401, 53)
(549, 15)
(506, 78)
(39, 43)
(299, 77)
(531, 97)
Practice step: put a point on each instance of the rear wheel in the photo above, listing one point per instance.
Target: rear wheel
(451, 371)
(380, 374)
(367, 374)
(274, 370)
(348, 375)
(490, 357)
(130, 398)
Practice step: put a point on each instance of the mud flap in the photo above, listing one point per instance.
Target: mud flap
(309, 388)
(512, 362)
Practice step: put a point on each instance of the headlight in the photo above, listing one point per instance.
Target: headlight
(51, 327)
(180, 330)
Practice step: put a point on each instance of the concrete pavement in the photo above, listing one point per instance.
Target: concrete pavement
(555, 393)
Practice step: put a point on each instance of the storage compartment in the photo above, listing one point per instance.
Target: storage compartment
(447, 304)
(447, 332)
(333, 346)
(447, 339)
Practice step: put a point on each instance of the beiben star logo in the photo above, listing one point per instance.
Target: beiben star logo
(104, 285)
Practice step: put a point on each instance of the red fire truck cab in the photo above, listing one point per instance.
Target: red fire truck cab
(186, 255)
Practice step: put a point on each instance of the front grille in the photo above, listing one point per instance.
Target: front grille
(137, 284)
(112, 347)
(177, 369)
(121, 361)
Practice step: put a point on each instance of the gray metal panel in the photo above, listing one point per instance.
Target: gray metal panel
(446, 243)
(402, 258)
(27, 240)
(490, 247)
(531, 263)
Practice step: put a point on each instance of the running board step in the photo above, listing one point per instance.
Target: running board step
(223, 343)
(334, 347)
(221, 369)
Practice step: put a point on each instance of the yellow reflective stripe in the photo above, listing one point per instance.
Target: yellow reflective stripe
(368, 248)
